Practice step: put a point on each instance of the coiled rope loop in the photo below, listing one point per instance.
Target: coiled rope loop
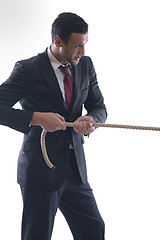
(68, 124)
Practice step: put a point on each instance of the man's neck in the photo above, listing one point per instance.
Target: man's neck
(55, 53)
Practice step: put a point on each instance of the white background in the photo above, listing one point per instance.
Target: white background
(123, 165)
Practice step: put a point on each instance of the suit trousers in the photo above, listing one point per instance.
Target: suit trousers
(74, 199)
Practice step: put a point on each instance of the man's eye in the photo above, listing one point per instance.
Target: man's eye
(77, 46)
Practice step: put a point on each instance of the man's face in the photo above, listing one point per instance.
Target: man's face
(74, 49)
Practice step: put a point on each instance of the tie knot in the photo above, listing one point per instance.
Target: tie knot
(64, 69)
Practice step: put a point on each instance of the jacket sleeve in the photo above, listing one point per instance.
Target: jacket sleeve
(12, 91)
(94, 103)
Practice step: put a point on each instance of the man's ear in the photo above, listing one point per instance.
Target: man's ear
(58, 42)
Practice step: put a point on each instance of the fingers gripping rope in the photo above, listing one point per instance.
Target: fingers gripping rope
(68, 124)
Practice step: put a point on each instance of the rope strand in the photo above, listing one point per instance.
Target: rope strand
(69, 124)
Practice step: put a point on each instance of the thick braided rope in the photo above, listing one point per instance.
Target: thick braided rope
(44, 150)
(68, 124)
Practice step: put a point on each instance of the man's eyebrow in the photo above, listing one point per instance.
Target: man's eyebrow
(81, 44)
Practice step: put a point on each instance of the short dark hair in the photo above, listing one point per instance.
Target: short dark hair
(67, 23)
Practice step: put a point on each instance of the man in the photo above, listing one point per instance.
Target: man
(52, 88)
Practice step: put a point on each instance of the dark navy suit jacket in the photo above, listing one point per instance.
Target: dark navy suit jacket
(34, 84)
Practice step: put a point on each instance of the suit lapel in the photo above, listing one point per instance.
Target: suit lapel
(51, 79)
(76, 75)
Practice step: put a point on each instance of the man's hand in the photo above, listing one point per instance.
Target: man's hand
(84, 125)
(50, 122)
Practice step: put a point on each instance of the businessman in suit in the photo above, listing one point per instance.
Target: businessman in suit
(52, 88)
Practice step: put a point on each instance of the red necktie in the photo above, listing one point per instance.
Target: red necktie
(68, 86)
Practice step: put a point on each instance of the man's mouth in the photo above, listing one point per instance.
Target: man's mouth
(77, 58)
